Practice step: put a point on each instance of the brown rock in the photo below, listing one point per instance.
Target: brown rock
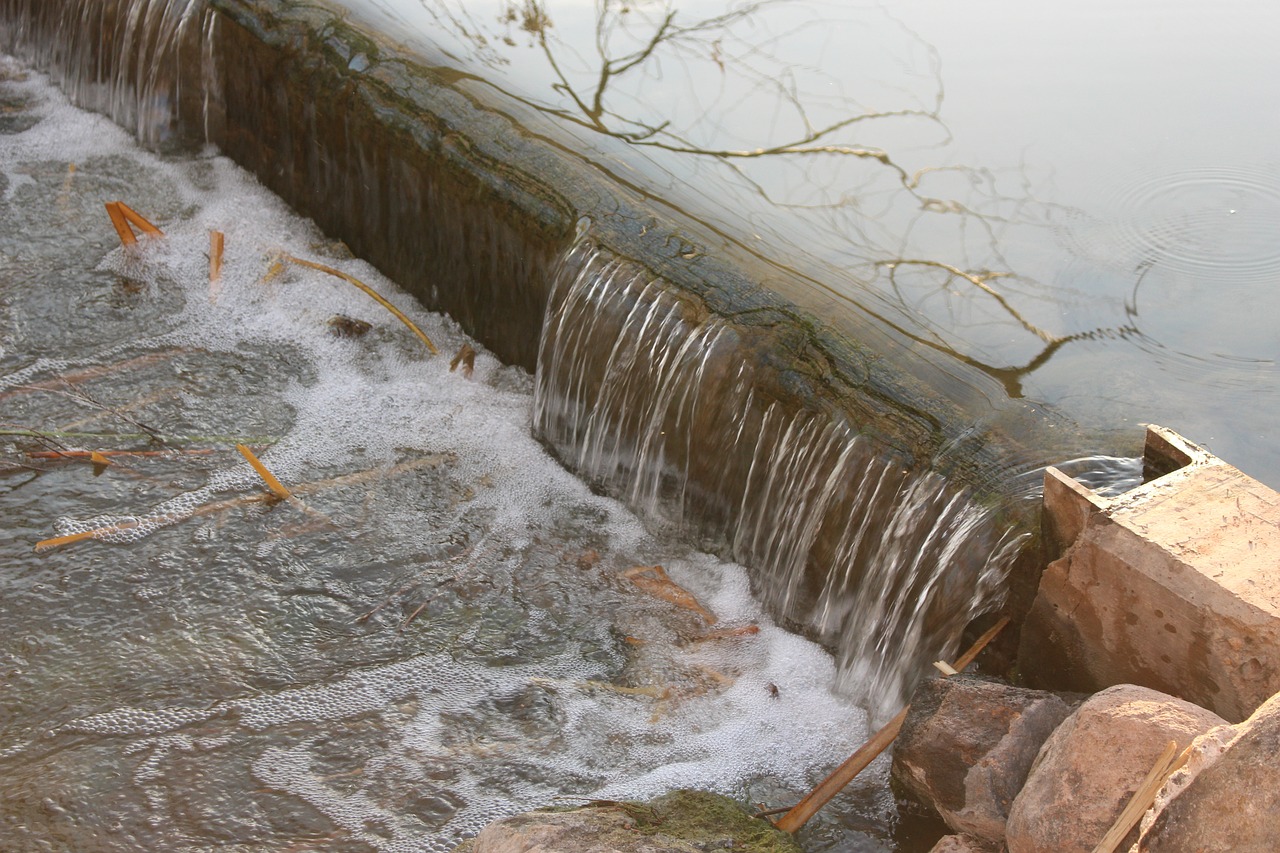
(1171, 585)
(963, 844)
(967, 745)
(1093, 763)
(1231, 804)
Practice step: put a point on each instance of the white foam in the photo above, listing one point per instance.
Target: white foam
(765, 706)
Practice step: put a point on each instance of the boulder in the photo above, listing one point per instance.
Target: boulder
(963, 844)
(1093, 763)
(967, 745)
(679, 822)
(1231, 803)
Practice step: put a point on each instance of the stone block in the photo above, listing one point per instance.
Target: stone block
(1173, 585)
(967, 745)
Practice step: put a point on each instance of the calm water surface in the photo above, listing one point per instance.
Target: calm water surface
(1082, 202)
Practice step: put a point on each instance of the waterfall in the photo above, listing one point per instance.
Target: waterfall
(145, 63)
(647, 395)
(697, 418)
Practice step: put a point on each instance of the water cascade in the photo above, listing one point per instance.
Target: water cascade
(647, 395)
(865, 503)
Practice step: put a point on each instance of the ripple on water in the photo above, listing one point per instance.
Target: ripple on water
(1193, 258)
(1218, 221)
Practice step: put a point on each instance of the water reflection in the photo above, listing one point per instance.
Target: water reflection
(915, 160)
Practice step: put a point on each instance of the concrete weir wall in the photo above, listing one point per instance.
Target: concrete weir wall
(479, 206)
(1174, 585)
(470, 200)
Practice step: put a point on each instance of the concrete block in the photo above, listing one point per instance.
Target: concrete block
(1174, 585)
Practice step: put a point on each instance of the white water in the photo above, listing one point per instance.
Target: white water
(554, 674)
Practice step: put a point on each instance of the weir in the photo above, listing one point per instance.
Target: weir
(858, 470)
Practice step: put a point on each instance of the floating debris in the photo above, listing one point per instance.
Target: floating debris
(277, 488)
(125, 219)
(654, 580)
(347, 327)
(352, 280)
(216, 241)
(466, 357)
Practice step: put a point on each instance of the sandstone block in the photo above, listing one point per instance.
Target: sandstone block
(1091, 765)
(1233, 803)
(967, 745)
(1171, 585)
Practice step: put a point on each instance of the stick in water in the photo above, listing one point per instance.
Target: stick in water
(125, 219)
(277, 488)
(367, 289)
(216, 240)
(802, 811)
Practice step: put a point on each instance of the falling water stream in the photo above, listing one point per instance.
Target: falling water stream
(753, 427)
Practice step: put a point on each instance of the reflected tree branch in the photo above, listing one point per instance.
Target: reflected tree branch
(635, 46)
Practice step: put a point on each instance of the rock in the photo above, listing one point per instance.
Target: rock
(963, 844)
(1231, 804)
(967, 745)
(679, 822)
(1093, 763)
(1171, 585)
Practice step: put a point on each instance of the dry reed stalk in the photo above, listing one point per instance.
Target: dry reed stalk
(71, 538)
(352, 280)
(262, 497)
(90, 373)
(125, 219)
(123, 231)
(800, 813)
(216, 242)
(1166, 765)
(138, 220)
(277, 488)
(95, 454)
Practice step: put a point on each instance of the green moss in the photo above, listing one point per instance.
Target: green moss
(700, 816)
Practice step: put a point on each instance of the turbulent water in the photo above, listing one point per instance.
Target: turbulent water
(440, 627)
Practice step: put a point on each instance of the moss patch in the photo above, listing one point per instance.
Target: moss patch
(707, 821)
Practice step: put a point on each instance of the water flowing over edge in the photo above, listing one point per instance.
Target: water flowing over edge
(647, 396)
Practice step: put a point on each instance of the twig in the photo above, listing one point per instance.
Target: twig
(216, 241)
(93, 454)
(95, 372)
(1142, 798)
(262, 497)
(123, 217)
(277, 488)
(800, 813)
(367, 289)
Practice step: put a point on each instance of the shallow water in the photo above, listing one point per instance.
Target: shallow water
(442, 627)
(1080, 202)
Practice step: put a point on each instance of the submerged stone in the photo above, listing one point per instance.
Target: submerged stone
(678, 822)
